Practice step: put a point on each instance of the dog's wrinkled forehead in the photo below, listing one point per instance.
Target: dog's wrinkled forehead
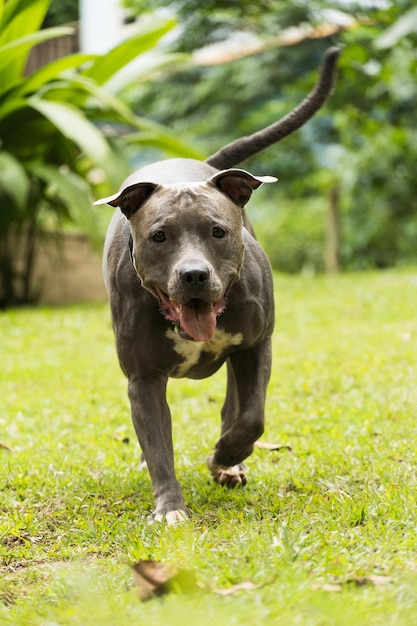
(236, 184)
(172, 203)
(184, 194)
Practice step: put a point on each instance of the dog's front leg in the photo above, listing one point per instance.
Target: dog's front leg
(243, 413)
(152, 421)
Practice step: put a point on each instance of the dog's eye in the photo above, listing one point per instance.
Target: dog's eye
(159, 236)
(218, 232)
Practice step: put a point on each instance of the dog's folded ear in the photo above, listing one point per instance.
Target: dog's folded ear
(238, 184)
(131, 198)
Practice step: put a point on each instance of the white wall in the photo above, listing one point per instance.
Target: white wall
(102, 25)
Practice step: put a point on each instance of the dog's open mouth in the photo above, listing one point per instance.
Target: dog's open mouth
(195, 319)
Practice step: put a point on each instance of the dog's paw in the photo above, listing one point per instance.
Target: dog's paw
(170, 518)
(228, 476)
(231, 476)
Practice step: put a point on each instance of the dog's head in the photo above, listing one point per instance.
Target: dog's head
(187, 243)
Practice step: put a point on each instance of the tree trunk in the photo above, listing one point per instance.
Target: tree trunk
(6, 276)
(30, 239)
(333, 236)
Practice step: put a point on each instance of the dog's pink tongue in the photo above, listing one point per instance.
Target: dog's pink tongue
(198, 320)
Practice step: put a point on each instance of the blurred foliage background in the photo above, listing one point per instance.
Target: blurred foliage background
(346, 197)
(359, 151)
(65, 137)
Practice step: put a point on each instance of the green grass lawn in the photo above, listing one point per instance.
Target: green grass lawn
(325, 532)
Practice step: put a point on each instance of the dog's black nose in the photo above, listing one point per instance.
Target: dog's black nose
(194, 275)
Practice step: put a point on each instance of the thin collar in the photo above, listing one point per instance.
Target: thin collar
(131, 247)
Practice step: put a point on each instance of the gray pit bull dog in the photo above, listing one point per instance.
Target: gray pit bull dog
(191, 289)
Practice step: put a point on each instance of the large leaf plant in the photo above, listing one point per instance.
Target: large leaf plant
(55, 153)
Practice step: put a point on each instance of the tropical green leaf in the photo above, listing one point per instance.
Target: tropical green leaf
(11, 105)
(151, 132)
(13, 179)
(75, 126)
(145, 69)
(109, 64)
(74, 192)
(13, 55)
(87, 89)
(51, 72)
(20, 19)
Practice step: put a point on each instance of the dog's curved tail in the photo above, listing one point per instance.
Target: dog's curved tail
(241, 149)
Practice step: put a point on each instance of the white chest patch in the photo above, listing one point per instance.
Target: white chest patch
(190, 351)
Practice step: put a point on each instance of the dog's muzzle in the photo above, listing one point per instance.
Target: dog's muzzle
(195, 318)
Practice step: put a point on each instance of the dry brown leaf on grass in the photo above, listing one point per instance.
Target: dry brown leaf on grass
(4, 446)
(246, 586)
(358, 581)
(375, 581)
(265, 445)
(153, 578)
(330, 587)
(120, 438)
